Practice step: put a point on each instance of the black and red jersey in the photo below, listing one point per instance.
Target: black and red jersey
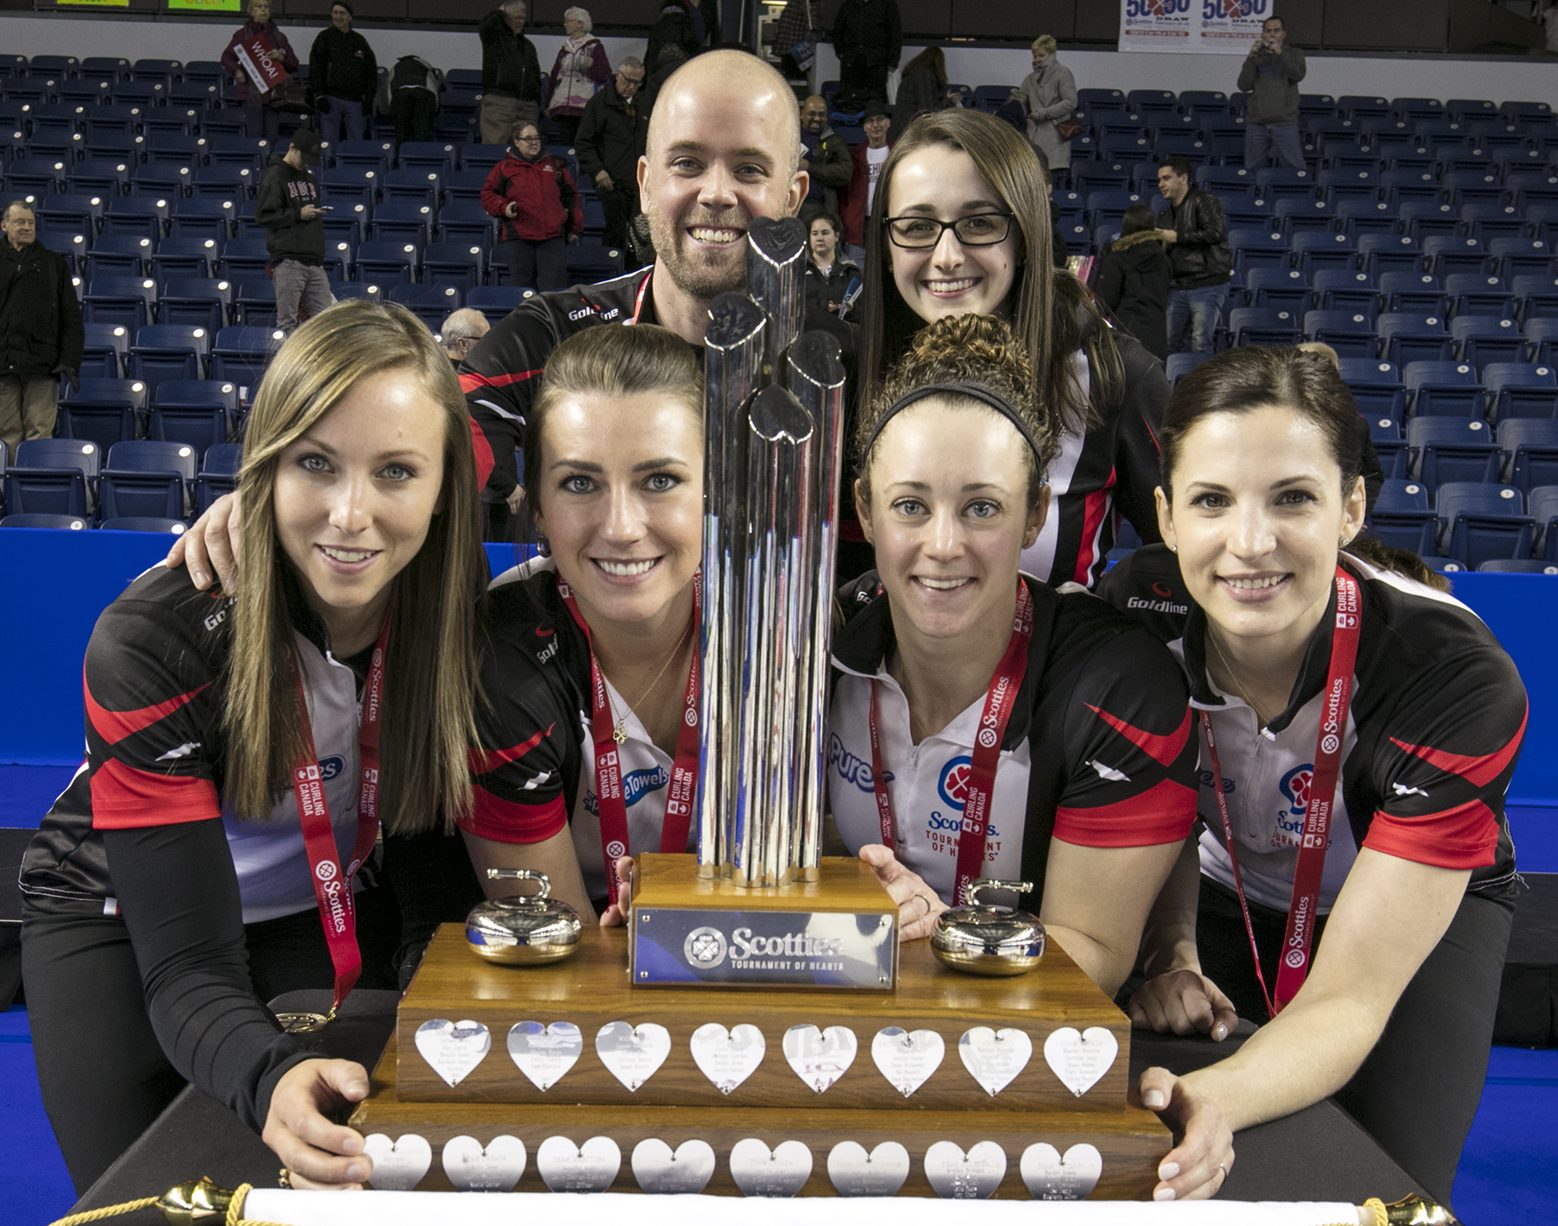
(1436, 722)
(1099, 745)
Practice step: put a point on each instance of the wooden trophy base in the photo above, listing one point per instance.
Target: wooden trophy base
(838, 931)
(976, 1087)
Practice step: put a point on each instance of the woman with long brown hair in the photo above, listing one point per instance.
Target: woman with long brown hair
(217, 846)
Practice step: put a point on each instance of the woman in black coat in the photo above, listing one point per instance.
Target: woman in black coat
(1133, 281)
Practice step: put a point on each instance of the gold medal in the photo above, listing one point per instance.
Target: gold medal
(303, 1023)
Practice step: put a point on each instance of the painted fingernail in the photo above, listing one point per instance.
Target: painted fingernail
(1219, 1032)
(1153, 1100)
(357, 1172)
(1163, 1194)
(1168, 1170)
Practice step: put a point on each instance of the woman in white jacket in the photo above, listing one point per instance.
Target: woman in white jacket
(1050, 94)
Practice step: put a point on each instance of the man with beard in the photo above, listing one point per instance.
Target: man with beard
(722, 149)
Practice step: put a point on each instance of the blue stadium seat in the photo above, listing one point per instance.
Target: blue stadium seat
(1481, 520)
(1529, 450)
(457, 264)
(403, 221)
(1254, 249)
(185, 256)
(1473, 293)
(243, 257)
(169, 351)
(355, 289)
(1513, 256)
(196, 301)
(1317, 250)
(104, 350)
(496, 301)
(245, 152)
(436, 156)
(226, 181)
(463, 184)
(1389, 445)
(1520, 390)
(1425, 218)
(127, 255)
(239, 354)
(101, 421)
(386, 261)
(466, 220)
(1448, 253)
(1263, 326)
(218, 473)
(144, 216)
(1297, 215)
(429, 303)
(418, 184)
(1350, 185)
(254, 302)
(195, 412)
(1379, 254)
(1406, 336)
(1343, 289)
(68, 523)
(53, 476)
(1541, 336)
(1482, 339)
(1401, 514)
(1443, 389)
(1492, 219)
(144, 523)
(35, 176)
(1348, 332)
(1536, 295)
(1451, 449)
(1414, 291)
(147, 478)
(589, 261)
(367, 154)
(123, 300)
(1542, 504)
(1278, 287)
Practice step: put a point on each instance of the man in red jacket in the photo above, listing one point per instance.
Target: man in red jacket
(856, 200)
(536, 202)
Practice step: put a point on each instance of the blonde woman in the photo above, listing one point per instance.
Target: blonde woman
(243, 751)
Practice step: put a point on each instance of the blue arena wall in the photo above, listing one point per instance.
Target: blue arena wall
(54, 585)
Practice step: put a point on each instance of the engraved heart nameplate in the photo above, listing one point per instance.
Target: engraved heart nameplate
(994, 1057)
(1049, 1176)
(955, 1175)
(566, 1167)
(820, 1057)
(660, 1169)
(544, 1053)
(856, 1173)
(632, 1054)
(495, 1167)
(1079, 1060)
(760, 1171)
(727, 1057)
(398, 1166)
(453, 1049)
(907, 1058)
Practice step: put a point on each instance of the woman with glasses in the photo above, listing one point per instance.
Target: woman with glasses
(960, 225)
(536, 202)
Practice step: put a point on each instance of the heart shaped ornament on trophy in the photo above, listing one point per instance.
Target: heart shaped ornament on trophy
(566, 1167)
(760, 1171)
(632, 1054)
(955, 1175)
(819, 1057)
(856, 1173)
(661, 1170)
(1049, 1176)
(907, 1058)
(453, 1049)
(544, 1053)
(398, 1166)
(494, 1167)
(994, 1057)
(1079, 1060)
(727, 1057)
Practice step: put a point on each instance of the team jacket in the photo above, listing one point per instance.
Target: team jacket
(545, 192)
(1098, 751)
(501, 375)
(1437, 718)
(141, 831)
(535, 769)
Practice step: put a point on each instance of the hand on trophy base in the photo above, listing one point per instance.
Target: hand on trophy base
(616, 914)
(918, 905)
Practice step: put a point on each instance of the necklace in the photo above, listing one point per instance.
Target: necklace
(1239, 687)
(619, 731)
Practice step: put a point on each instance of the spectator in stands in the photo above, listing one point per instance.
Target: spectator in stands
(609, 143)
(921, 88)
(824, 155)
(40, 329)
(1197, 235)
(263, 119)
(344, 76)
(461, 331)
(1134, 278)
(413, 90)
(860, 195)
(1270, 75)
(169, 892)
(672, 40)
(795, 35)
(1050, 95)
(578, 73)
(868, 36)
(533, 196)
(962, 227)
(288, 208)
(510, 72)
(829, 274)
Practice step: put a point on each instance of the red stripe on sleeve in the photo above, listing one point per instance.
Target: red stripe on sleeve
(481, 451)
(124, 798)
(1163, 813)
(1164, 750)
(484, 761)
(504, 821)
(1094, 507)
(114, 726)
(470, 382)
(1463, 837)
(1477, 769)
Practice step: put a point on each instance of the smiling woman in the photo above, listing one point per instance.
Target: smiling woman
(967, 686)
(243, 751)
(590, 661)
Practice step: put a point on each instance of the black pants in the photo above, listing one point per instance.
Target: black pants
(1418, 1091)
(618, 205)
(414, 110)
(860, 83)
(542, 265)
(102, 1072)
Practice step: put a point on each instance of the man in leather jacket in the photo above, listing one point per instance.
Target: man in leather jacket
(1197, 236)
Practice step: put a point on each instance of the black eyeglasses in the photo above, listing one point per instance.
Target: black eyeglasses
(527, 139)
(975, 230)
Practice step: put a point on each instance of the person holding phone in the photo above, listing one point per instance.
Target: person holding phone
(1270, 75)
(289, 209)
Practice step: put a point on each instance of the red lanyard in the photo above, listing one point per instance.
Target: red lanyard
(332, 886)
(611, 803)
(1000, 701)
(1303, 911)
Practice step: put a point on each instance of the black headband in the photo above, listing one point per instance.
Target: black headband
(970, 390)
